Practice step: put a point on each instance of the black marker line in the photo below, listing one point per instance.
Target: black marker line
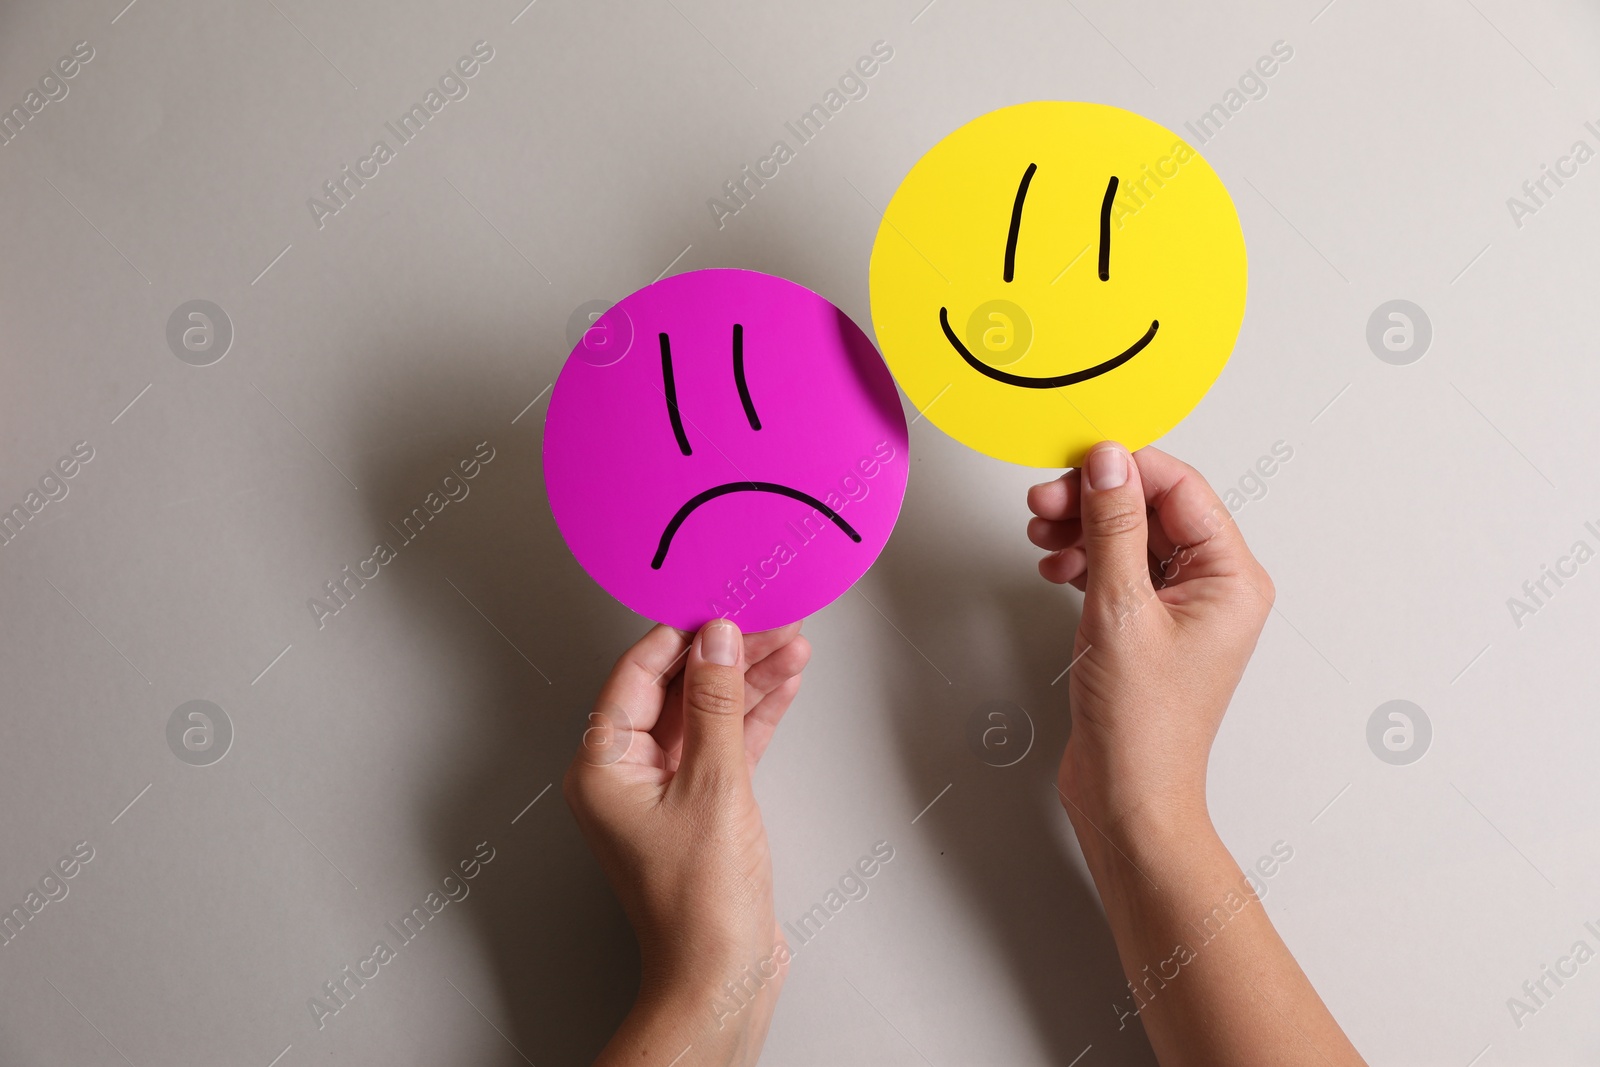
(1016, 220)
(744, 487)
(1105, 229)
(738, 377)
(1046, 383)
(671, 387)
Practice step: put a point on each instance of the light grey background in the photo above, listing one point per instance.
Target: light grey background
(372, 354)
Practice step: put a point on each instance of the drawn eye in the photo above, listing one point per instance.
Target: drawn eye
(738, 378)
(669, 388)
(1016, 221)
(1056, 381)
(1016, 225)
(1105, 229)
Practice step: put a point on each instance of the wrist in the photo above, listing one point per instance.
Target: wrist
(686, 1025)
(702, 969)
(1136, 827)
(1131, 796)
(719, 1011)
(1147, 850)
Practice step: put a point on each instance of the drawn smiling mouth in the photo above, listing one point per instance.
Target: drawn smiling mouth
(743, 487)
(1058, 380)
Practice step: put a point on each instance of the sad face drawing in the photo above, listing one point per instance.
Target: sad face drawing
(743, 456)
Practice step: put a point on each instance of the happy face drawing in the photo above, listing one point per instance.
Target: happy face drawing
(1055, 274)
(725, 443)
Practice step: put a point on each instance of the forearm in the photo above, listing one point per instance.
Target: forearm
(688, 1027)
(1209, 977)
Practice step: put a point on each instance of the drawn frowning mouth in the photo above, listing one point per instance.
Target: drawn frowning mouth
(744, 487)
(670, 392)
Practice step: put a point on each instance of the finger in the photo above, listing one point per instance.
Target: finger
(758, 645)
(1066, 567)
(762, 722)
(778, 667)
(638, 681)
(630, 703)
(1058, 499)
(1115, 533)
(668, 732)
(1054, 536)
(1206, 541)
(713, 713)
(765, 671)
(1165, 554)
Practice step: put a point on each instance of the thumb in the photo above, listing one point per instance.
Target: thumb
(713, 708)
(1116, 536)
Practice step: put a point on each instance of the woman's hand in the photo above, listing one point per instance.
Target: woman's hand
(661, 789)
(1173, 604)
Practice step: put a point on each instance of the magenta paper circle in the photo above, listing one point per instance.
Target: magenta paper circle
(724, 443)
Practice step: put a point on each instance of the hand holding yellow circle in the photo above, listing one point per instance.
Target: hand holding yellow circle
(1055, 274)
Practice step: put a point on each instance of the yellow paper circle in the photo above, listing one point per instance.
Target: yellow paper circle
(1071, 359)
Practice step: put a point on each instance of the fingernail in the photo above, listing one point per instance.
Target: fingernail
(1108, 468)
(719, 643)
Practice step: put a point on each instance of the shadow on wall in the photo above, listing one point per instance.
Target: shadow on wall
(562, 959)
(1001, 830)
(556, 940)
(558, 947)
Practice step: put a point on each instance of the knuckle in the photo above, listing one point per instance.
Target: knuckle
(572, 784)
(1253, 597)
(1122, 605)
(717, 792)
(716, 696)
(1189, 470)
(1267, 591)
(1117, 520)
